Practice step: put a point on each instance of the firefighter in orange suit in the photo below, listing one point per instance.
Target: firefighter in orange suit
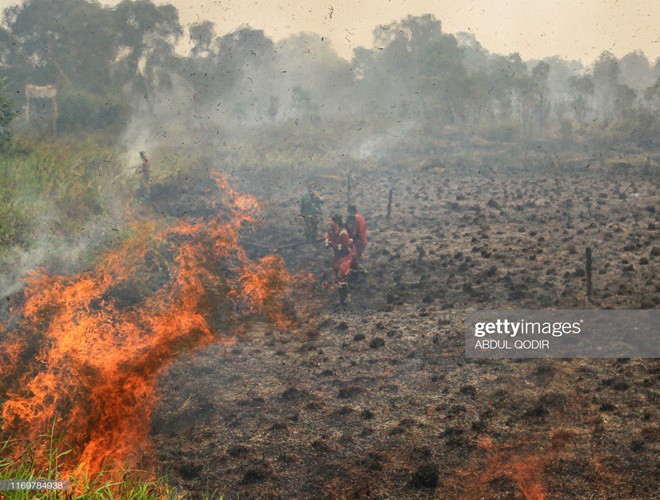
(338, 239)
(357, 231)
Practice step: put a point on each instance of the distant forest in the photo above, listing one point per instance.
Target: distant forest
(111, 62)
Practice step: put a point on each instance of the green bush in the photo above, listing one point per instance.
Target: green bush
(83, 111)
(6, 115)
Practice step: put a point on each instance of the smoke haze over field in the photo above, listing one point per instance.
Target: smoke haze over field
(114, 61)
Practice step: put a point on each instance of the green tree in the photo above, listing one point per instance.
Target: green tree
(202, 36)
(606, 81)
(443, 81)
(507, 83)
(539, 92)
(582, 91)
(94, 54)
(389, 72)
(6, 115)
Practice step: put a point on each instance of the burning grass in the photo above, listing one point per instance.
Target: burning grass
(18, 464)
(85, 350)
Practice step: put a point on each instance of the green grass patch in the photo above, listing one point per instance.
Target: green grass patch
(107, 484)
(65, 179)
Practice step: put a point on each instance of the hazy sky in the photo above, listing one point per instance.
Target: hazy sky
(575, 29)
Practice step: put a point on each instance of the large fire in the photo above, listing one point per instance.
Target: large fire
(84, 351)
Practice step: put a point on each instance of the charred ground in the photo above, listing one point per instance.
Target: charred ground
(378, 400)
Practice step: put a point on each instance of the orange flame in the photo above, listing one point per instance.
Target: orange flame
(87, 349)
(524, 470)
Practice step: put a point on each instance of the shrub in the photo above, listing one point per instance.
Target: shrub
(6, 115)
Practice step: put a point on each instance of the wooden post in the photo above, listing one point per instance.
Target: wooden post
(45, 92)
(588, 262)
(389, 204)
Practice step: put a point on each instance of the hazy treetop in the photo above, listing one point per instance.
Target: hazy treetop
(535, 29)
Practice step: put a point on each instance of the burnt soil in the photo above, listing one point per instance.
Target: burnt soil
(378, 400)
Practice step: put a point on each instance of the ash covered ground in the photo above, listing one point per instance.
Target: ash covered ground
(377, 399)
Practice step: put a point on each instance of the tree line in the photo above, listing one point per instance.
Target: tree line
(107, 61)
